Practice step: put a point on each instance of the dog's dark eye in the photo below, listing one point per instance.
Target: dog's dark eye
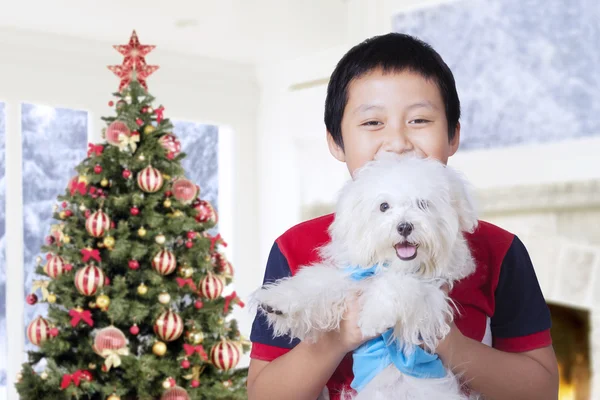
(384, 207)
(423, 204)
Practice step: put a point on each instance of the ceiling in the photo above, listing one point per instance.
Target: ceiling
(247, 31)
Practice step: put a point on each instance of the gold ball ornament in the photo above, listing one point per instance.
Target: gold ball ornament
(221, 321)
(166, 177)
(167, 203)
(185, 271)
(51, 298)
(141, 157)
(82, 208)
(62, 215)
(92, 366)
(104, 182)
(19, 377)
(44, 375)
(141, 232)
(167, 384)
(92, 304)
(109, 242)
(66, 239)
(148, 129)
(103, 301)
(113, 397)
(164, 298)
(194, 337)
(160, 239)
(142, 289)
(159, 349)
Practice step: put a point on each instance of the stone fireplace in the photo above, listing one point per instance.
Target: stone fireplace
(560, 225)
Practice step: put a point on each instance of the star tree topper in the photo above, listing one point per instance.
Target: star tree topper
(134, 65)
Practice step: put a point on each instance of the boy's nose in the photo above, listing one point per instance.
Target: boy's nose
(397, 142)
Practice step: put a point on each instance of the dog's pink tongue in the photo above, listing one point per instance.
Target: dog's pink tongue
(406, 250)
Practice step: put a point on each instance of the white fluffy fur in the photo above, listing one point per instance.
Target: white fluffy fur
(406, 295)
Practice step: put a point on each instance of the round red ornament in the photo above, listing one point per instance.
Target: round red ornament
(189, 244)
(126, 174)
(114, 132)
(97, 224)
(206, 212)
(68, 213)
(38, 331)
(111, 103)
(109, 339)
(168, 326)
(134, 211)
(150, 180)
(175, 393)
(68, 267)
(191, 235)
(98, 169)
(171, 144)
(195, 383)
(211, 286)
(225, 355)
(134, 264)
(198, 304)
(134, 330)
(185, 364)
(139, 122)
(89, 279)
(184, 190)
(31, 299)
(164, 262)
(55, 266)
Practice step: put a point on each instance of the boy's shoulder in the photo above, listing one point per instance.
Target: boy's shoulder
(300, 244)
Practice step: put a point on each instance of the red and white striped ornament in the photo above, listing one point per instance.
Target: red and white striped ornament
(164, 262)
(225, 355)
(211, 286)
(55, 266)
(114, 132)
(206, 212)
(38, 331)
(168, 326)
(150, 180)
(89, 279)
(171, 144)
(97, 224)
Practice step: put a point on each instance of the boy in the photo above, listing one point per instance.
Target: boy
(393, 93)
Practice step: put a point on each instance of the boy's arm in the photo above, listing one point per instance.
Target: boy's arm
(300, 374)
(522, 364)
(499, 375)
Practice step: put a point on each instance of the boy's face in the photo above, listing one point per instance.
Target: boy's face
(394, 112)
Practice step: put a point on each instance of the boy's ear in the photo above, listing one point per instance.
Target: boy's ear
(334, 149)
(455, 142)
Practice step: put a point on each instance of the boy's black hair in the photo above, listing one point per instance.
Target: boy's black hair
(393, 52)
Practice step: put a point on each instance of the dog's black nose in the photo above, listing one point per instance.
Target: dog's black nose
(405, 228)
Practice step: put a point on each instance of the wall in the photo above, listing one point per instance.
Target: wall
(69, 72)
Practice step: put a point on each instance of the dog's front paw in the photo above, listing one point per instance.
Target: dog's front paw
(375, 320)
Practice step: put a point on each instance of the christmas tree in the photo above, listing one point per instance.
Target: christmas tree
(133, 278)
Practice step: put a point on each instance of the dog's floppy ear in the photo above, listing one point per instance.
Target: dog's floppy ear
(464, 202)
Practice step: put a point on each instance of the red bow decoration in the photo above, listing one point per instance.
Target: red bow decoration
(88, 253)
(236, 300)
(159, 114)
(191, 349)
(216, 239)
(95, 149)
(75, 378)
(77, 316)
(182, 282)
(78, 187)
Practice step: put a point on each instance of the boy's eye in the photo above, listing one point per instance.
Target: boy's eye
(419, 121)
(383, 207)
(423, 204)
(371, 123)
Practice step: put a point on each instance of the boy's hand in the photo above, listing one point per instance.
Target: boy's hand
(349, 336)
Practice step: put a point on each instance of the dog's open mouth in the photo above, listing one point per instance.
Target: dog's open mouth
(406, 251)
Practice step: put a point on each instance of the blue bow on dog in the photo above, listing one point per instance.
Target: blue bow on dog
(375, 355)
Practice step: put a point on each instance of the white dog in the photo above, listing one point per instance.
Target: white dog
(397, 238)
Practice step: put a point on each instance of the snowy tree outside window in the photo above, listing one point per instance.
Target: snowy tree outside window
(526, 71)
(54, 141)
